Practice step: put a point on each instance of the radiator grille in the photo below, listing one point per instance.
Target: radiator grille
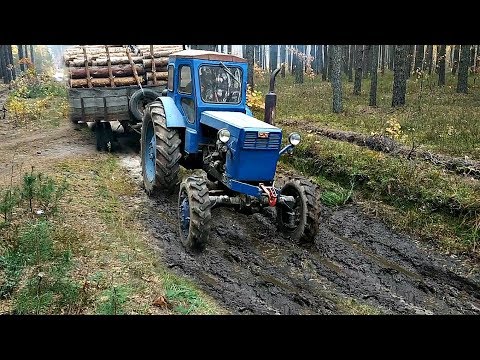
(252, 141)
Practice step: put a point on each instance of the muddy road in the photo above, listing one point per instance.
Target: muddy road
(252, 269)
(356, 265)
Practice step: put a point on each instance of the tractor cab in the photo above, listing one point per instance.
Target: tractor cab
(200, 80)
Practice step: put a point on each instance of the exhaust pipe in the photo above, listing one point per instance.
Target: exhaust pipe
(271, 99)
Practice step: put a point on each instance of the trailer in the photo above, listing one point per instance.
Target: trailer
(114, 83)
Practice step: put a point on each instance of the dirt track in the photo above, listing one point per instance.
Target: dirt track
(251, 269)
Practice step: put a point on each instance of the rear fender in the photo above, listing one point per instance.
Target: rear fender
(173, 116)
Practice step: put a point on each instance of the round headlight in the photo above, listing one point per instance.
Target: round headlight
(224, 135)
(294, 138)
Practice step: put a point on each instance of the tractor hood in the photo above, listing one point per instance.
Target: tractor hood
(254, 145)
(236, 122)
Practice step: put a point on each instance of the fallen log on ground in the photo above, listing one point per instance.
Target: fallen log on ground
(385, 144)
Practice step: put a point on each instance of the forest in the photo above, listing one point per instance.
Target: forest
(390, 136)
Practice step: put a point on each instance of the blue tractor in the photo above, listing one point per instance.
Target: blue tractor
(202, 122)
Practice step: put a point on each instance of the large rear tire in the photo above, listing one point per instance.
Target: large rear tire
(160, 151)
(194, 213)
(139, 101)
(301, 222)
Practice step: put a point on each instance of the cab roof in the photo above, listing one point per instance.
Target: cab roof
(206, 55)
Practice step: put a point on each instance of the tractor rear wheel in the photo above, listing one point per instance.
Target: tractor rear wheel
(300, 222)
(194, 212)
(160, 151)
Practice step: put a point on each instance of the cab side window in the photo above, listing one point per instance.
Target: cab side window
(185, 86)
(170, 78)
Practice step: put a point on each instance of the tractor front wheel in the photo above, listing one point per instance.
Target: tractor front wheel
(194, 212)
(300, 222)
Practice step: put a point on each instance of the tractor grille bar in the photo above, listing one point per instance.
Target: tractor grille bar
(252, 141)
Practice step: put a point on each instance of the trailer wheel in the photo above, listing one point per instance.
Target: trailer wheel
(301, 222)
(194, 212)
(139, 101)
(160, 151)
(104, 136)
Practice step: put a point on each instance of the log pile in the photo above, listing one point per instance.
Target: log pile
(118, 65)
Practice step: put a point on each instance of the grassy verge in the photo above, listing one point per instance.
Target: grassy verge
(91, 256)
(436, 117)
(410, 195)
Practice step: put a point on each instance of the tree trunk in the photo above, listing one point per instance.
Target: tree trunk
(20, 56)
(325, 63)
(336, 77)
(357, 86)
(257, 53)
(373, 75)
(462, 84)
(351, 59)
(391, 52)
(32, 55)
(283, 59)
(419, 54)
(250, 61)
(382, 66)
(264, 56)
(429, 59)
(456, 55)
(345, 58)
(410, 57)
(400, 75)
(319, 59)
(3, 65)
(260, 56)
(290, 59)
(472, 58)
(10, 59)
(367, 61)
(229, 49)
(477, 60)
(441, 64)
(329, 69)
(273, 57)
(7, 74)
(300, 65)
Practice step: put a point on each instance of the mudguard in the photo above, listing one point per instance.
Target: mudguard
(173, 116)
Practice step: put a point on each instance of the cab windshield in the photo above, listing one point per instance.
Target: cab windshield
(217, 85)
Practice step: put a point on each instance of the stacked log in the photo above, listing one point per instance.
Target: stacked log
(118, 65)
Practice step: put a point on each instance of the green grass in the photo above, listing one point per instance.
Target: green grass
(125, 274)
(112, 301)
(90, 255)
(436, 117)
(411, 195)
